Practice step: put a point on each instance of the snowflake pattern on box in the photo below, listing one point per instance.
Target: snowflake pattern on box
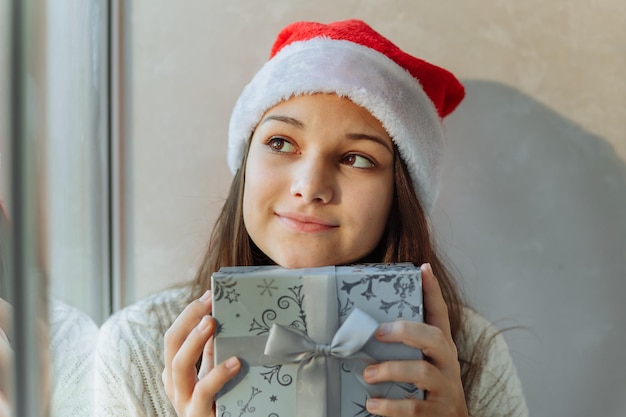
(404, 286)
(248, 300)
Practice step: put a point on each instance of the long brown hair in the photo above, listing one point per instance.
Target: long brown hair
(407, 238)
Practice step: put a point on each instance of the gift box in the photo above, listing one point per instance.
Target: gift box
(304, 336)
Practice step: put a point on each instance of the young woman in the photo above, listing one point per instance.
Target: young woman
(335, 145)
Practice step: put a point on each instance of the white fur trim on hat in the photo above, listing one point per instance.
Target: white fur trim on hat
(365, 76)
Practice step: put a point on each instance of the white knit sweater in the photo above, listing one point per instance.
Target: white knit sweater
(129, 363)
(73, 338)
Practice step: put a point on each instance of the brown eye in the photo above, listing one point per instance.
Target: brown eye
(358, 161)
(278, 144)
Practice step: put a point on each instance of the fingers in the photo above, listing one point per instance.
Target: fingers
(201, 402)
(430, 339)
(185, 323)
(183, 370)
(439, 374)
(207, 359)
(434, 338)
(409, 408)
(191, 336)
(444, 395)
(210, 384)
(422, 374)
(183, 344)
(434, 304)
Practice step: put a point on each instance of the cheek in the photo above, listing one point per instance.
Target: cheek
(373, 207)
(383, 209)
(259, 190)
(249, 197)
(386, 201)
(254, 195)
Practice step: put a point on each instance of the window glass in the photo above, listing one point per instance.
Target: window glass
(77, 155)
(54, 189)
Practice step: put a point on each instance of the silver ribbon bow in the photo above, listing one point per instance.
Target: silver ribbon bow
(318, 379)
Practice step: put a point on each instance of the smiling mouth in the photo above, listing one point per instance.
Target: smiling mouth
(305, 224)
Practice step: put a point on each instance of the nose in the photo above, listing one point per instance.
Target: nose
(313, 181)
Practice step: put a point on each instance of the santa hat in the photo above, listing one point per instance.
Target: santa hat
(407, 95)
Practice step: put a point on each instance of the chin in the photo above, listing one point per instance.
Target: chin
(300, 263)
(297, 262)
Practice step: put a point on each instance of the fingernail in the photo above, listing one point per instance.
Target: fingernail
(370, 372)
(371, 404)
(383, 329)
(206, 296)
(204, 323)
(232, 363)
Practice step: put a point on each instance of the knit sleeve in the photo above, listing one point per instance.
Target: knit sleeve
(73, 337)
(129, 358)
(498, 392)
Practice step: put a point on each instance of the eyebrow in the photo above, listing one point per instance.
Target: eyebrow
(377, 139)
(285, 119)
(354, 136)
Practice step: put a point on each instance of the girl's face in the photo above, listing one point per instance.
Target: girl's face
(318, 183)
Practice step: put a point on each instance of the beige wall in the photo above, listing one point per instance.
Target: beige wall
(191, 60)
(531, 211)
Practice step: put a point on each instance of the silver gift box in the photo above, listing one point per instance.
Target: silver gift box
(315, 315)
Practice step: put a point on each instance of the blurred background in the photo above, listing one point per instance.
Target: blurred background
(130, 100)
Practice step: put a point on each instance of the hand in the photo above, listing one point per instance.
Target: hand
(191, 335)
(439, 374)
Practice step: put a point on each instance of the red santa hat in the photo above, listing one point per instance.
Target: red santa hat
(409, 96)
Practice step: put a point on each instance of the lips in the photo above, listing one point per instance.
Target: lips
(304, 223)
